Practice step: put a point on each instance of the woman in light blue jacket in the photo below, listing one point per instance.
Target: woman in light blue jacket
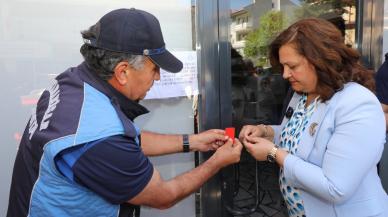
(329, 148)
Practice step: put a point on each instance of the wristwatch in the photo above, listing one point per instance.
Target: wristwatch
(186, 144)
(271, 157)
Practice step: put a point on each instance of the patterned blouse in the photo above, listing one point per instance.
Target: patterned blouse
(289, 141)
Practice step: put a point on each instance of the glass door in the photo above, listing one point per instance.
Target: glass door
(238, 33)
(259, 93)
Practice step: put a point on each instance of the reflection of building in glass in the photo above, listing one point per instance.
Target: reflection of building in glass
(248, 19)
(350, 25)
(239, 28)
(260, 7)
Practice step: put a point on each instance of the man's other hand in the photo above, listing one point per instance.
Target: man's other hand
(208, 140)
(229, 153)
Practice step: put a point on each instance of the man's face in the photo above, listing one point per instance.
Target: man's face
(141, 81)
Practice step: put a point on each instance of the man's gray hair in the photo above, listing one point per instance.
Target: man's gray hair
(104, 61)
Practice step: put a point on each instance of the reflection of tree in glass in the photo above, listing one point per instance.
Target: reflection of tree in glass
(316, 8)
(256, 45)
(331, 10)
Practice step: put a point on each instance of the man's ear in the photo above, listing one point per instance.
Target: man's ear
(120, 72)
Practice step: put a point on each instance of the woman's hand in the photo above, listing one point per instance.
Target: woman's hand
(258, 147)
(255, 131)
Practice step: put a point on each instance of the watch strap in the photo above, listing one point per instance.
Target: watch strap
(271, 157)
(186, 144)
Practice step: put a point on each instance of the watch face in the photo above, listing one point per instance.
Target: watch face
(186, 148)
(270, 158)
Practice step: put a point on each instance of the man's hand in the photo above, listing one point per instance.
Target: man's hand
(228, 154)
(207, 140)
(171, 191)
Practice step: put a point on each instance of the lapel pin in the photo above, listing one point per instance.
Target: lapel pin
(313, 128)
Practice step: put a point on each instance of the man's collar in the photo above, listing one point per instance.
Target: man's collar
(131, 109)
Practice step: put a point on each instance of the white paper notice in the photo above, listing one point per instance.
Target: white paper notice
(184, 83)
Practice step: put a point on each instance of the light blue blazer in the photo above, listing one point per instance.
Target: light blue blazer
(335, 165)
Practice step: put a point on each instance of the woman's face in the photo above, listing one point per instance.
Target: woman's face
(297, 70)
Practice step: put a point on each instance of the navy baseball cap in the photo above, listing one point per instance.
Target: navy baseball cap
(136, 32)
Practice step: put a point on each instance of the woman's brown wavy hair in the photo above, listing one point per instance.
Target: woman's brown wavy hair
(322, 44)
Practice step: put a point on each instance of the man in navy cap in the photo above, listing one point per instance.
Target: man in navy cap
(82, 155)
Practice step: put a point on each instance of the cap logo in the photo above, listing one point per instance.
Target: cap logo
(91, 42)
(150, 52)
(87, 41)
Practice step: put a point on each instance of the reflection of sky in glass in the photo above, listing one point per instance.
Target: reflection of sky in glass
(239, 4)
